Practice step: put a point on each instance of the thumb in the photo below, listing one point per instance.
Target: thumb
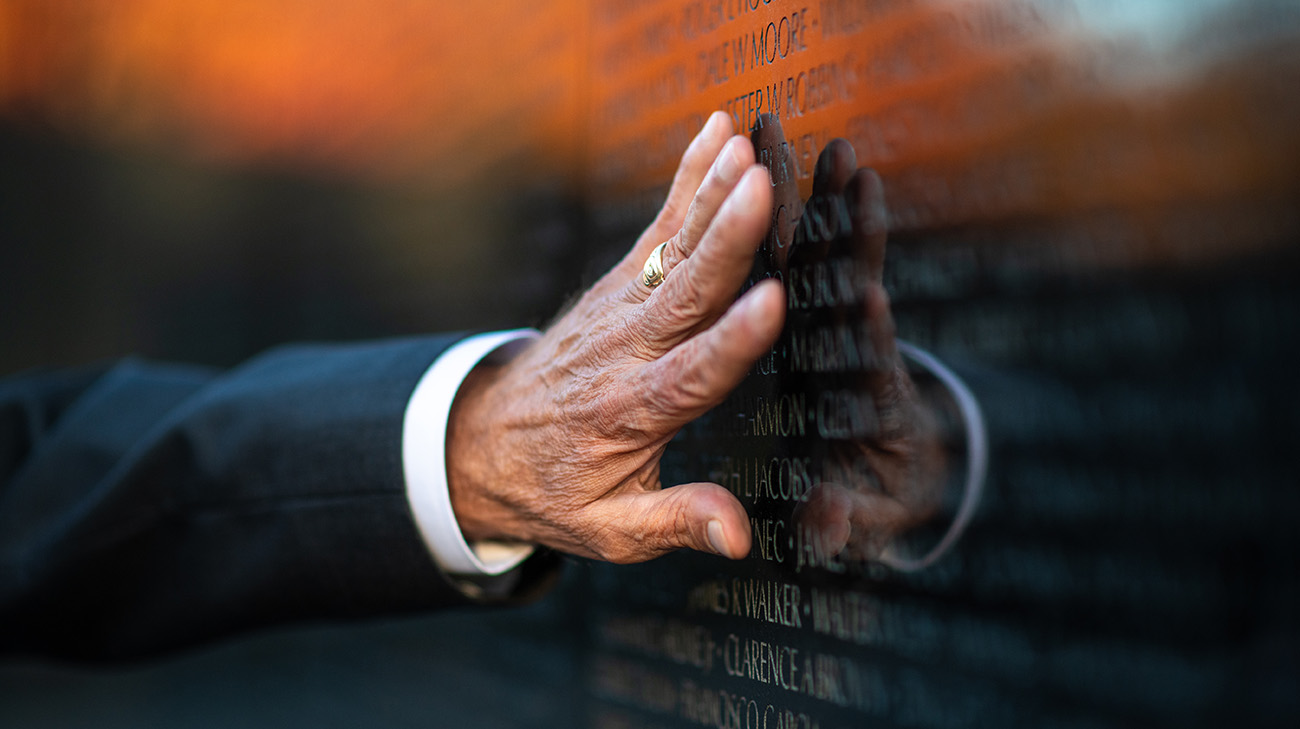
(700, 516)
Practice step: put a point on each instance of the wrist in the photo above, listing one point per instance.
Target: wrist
(425, 449)
(476, 458)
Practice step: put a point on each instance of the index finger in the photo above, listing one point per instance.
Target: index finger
(696, 161)
(700, 288)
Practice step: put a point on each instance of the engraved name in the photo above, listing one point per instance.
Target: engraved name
(765, 479)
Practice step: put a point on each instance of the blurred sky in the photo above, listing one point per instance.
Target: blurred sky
(386, 88)
(204, 179)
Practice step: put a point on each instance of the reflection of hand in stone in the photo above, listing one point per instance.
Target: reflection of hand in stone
(883, 472)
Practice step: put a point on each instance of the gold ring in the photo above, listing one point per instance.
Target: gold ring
(652, 274)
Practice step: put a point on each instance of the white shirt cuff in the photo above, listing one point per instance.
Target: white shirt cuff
(424, 442)
(977, 458)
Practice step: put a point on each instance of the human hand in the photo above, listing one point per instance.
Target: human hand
(561, 446)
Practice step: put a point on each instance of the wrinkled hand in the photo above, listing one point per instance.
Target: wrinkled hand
(561, 446)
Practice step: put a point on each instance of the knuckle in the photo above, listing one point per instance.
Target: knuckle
(675, 251)
(648, 532)
(681, 524)
(619, 551)
(675, 206)
(687, 304)
(693, 382)
(693, 388)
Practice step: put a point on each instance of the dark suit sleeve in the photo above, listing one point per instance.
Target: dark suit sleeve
(146, 507)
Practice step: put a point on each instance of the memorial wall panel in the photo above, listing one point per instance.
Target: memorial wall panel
(1091, 215)
(1064, 494)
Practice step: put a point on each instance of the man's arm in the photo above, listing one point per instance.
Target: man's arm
(159, 507)
(148, 507)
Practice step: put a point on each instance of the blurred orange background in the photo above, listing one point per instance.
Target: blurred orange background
(384, 90)
(412, 165)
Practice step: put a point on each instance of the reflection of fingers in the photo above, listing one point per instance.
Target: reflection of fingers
(826, 227)
(702, 286)
(835, 166)
(865, 194)
(876, 519)
(851, 521)
(697, 374)
(873, 512)
(883, 371)
(825, 517)
(880, 323)
(774, 153)
(700, 516)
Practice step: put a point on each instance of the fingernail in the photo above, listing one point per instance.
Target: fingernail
(747, 306)
(729, 162)
(714, 120)
(717, 539)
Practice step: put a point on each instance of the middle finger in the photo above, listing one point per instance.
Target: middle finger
(702, 286)
(733, 159)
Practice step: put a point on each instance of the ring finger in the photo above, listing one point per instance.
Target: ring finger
(735, 157)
